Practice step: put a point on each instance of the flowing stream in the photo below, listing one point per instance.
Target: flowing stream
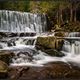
(21, 31)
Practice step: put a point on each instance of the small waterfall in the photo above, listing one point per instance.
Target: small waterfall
(72, 43)
(18, 31)
(15, 43)
(21, 31)
(74, 34)
(20, 28)
(73, 49)
(14, 21)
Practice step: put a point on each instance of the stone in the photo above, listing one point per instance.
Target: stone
(49, 42)
(6, 56)
(54, 70)
(60, 34)
(3, 69)
(53, 52)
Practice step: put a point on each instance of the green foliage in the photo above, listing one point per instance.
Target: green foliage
(15, 5)
(41, 6)
(73, 27)
(57, 11)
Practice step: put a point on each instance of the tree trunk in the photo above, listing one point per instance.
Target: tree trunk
(71, 14)
(61, 18)
(75, 16)
(57, 17)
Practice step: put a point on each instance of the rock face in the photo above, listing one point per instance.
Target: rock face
(50, 71)
(6, 56)
(11, 34)
(49, 43)
(53, 52)
(3, 69)
(60, 34)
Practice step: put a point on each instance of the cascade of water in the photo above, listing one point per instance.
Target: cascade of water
(19, 25)
(74, 34)
(13, 21)
(72, 43)
(73, 49)
(18, 22)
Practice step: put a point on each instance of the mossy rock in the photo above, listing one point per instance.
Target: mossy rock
(3, 69)
(3, 66)
(53, 52)
(47, 42)
(6, 56)
(59, 34)
(50, 42)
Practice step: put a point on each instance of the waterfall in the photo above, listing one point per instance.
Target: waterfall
(74, 34)
(71, 49)
(19, 29)
(18, 32)
(14, 21)
(72, 43)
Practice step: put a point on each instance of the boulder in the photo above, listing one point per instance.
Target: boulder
(54, 52)
(3, 69)
(60, 34)
(2, 34)
(49, 42)
(6, 56)
(50, 71)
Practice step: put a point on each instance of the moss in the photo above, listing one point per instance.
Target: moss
(60, 34)
(3, 66)
(54, 52)
(47, 42)
(50, 42)
(6, 56)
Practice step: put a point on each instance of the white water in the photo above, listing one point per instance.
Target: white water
(71, 49)
(13, 21)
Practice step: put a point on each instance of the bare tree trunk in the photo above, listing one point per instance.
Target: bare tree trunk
(61, 17)
(75, 16)
(71, 14)
(57, 17)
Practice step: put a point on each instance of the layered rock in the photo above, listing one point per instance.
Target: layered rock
(6, 56)
(16, 34)
(49, 44)
(54, 52)
(3, 69)
(59, 70)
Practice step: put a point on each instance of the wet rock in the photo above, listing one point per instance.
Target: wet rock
(56, 69)
(60, 34)
(44, 43)
(54, 52)
(16, 34)
(6, 56)
(3, 69)
(59, 70)
(3, 34)
(25, 56)
(11, 43)
(16, 72)
(50, 45)
(12, 34)
(27, 34)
